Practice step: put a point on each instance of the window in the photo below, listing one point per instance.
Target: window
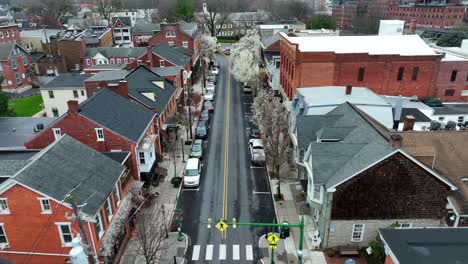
(18, 78)
(117, 193)
(171, 43)
(406, 225)
(45, 205)
(453, 77)
(361, 74)
(126, 38)
(6, 33)
(170, 34)
(185, 44)
(1, 34)
(112, 61)
(99, 134)
(358, 233)
(139, 62)
(57, 133)
(65, 232)
(142, 157)
(119, 61)
(3, 237)
(125, 60)
(4, 209)
(88, 62)
(14, 64)
(161, 63)
(75, 93)
(317, 193)
(400, 73)
(25, 62)
(414, 76)
(132, 59)
(109, 208)
(99, 225)
(316, 214)
(51, 94)
(461, 119)
(82, 93)
(55, 111)
(449, 92)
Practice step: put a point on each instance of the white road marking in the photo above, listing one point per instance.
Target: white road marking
(235, 252)
(222, 252)
(248, 252)
(254, 192)
(256, 167)
(209, 252)
(196, 252)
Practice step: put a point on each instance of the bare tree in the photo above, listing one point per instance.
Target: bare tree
(55, 9)
(152, 231)
(208, 48)
(217, 12)
(171, 151)
(272, 119)
(106, 7)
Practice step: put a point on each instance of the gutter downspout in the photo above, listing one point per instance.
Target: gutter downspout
(94, 244)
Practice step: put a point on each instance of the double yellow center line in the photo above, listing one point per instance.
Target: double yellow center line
(226, 147)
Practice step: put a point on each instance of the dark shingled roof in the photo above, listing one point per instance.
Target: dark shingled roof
(171, 54)
(116, 75)
(141, 81)
(125, 20)
(427, 245)
(167, 71)
(268, 41)
(10, 167)
(185, 51)
(70, 167)
(120, 157)
(116, 52)
(117, 113)
(67, 80)
(5, 261)
(5, 50)
(451, 109)
(145, 28)
(15, 131)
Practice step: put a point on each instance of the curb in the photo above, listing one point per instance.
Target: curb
(271, 193)
(187, 243)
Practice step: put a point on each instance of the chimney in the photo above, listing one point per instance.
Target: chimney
(120, 88)
(408, 124)
(73, 106)
(395, 141)
(349, 89)
(149, 56)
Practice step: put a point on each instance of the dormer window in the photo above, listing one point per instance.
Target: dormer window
(170, 34)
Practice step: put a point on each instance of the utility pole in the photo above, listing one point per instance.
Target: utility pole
(72, 200)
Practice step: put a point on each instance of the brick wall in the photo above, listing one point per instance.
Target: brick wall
(106, 39)
(9, 73)
(73, 51)
(10, 34)
(448, 90)
(428, 16)
(178, 40)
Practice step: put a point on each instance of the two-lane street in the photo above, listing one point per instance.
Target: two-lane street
(230, 187)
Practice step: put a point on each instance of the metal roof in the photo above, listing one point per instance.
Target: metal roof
(66, 81)
(15, 131)
(171, 54)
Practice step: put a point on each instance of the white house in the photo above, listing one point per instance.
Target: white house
(62, 89)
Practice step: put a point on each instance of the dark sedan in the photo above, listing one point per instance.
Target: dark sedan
(202, 130)
(205, 116)
(207, 105)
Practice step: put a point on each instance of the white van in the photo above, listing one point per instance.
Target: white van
(192, 173)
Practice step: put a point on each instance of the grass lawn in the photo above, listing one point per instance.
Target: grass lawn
(27, 106)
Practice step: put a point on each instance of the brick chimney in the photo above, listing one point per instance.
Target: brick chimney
(73, 106)
(395, 141)
(408, 123)
(149, 56)
(120, 88)
(349, 89)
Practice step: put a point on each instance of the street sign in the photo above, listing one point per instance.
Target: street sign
(273, 246)
(273, 238)
(221, 226)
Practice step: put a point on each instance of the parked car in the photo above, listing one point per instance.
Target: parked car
(210, 85)
(257, 152)
(212, 78)
(215, 70)
(254, 133)
(207, 105)
(227, 51)
(205, 116)
(246, 88)
(209, 94)
(197, 149)
(202, 130)
(192, 173)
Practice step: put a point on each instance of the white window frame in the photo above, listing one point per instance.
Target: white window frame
(316, 214)
(118, 198)
(101, 224)
(125, 60)
(441, 118)
(111, 61)
(14, 64)
(119, 61)
(361, 237)
(321, 190)
(75, 94)
(7, 244)
(57, 133)
(462, 118)
(464, 93)
(185, 44)
(59, 224)
(144, 157)
(99, 136)
(88, 62)
(24, 60)
(111, 210)
(4, 201)
(43, 210)
(170, 34)
(170, 43)
(131, 60)
(161, 63)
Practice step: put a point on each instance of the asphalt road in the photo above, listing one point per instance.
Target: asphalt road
(230, 187)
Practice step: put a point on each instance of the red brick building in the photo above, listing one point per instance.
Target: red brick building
(10, 34)
(429, 16)
(15, 67)
(388, 65)
(452, 80)
(36, 223)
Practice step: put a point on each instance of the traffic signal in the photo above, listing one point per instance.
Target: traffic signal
(209, 223)
(234, 223)
(285, 232)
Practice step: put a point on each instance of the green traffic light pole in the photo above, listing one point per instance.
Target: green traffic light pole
(180, 236)
(300, 225)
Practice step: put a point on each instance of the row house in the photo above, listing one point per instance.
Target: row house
(15, 68)
(98, 36)
(429, 16)
(389, 65)
(10, 34)
(108, 122)
(359, 179)
(37, 223)
(122, 30)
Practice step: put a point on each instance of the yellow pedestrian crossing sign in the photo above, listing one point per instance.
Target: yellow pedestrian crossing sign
(273, 238)
(221, 226)
(273, 246)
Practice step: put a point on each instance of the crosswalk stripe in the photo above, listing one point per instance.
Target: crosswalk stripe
(196, 252)
(248, 252)
(222, 252)
(209, 252)
(235, 252)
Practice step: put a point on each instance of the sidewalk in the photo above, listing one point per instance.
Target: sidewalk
(291, 209)
(280, 252)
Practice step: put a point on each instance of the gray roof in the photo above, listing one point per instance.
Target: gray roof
(167, 71)
(189, 28)
(15, 131)
(70, 167)
(120, 157)
(185, 51)
(451, 109)
(418, 115)
(358, 144)
(266, 42)
(5, 50)
(116, 52)
(171, 54)
(145, 28)
(141, 81)
(427, 245)
(125, 20)
(11, 167)
(120, 66)
(117, 114)
(17, 154)
(108, 76)
(66, 81)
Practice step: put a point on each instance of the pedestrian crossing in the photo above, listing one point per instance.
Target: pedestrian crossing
(221, 252)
